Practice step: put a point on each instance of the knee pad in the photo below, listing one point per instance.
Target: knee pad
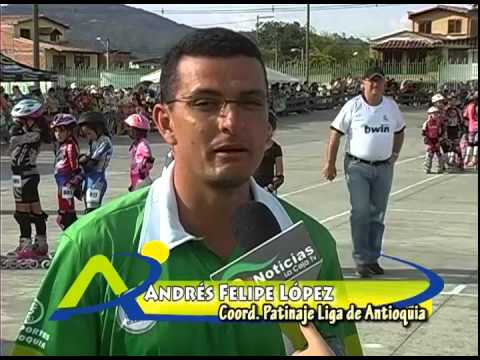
(40, 223)
(24, 220)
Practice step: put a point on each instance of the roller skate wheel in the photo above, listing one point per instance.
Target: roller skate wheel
(33, 264)
(23, 265)
(45, 264)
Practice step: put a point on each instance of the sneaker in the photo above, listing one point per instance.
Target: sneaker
(376, 269)
(364, 271)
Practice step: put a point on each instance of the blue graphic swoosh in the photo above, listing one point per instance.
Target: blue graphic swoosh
(127, 300)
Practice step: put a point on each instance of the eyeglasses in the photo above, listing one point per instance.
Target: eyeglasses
(214, 105)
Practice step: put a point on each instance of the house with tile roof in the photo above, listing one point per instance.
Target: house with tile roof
(445, 33)
(56, 52)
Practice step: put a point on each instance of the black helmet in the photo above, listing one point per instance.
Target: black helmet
(95, 120)
(91, 117)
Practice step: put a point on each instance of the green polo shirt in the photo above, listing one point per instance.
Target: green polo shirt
(124, 226)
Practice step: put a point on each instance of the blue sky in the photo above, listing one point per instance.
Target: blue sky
(360, 22)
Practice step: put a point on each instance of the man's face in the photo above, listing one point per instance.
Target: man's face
(374, 86)
(219, 146)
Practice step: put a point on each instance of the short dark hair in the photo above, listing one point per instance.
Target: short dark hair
(212, 42)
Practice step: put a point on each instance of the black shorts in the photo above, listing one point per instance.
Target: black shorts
(25, 188)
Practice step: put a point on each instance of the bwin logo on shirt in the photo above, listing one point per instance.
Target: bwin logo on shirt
(377, 129)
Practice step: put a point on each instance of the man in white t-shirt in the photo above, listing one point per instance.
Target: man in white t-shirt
(374, 129)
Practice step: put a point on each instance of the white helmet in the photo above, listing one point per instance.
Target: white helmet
(73, 86)
(437, 98)
(432, 109)
(27, 108)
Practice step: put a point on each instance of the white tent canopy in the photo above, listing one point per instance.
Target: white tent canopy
(272, 75)
(275, 76)
(153, 76)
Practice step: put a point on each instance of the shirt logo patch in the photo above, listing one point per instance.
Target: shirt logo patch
(377, 129)
(36, 313)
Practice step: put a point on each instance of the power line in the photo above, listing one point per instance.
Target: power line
(273, 9)
(224, 23)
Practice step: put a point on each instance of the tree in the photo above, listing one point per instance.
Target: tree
(279, 38)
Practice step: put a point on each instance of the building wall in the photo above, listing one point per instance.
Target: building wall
(439, 21)
(70, 59)
(116, 60)
(474, 27)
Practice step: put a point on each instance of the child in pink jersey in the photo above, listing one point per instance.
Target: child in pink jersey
(470, 114)
(141, 160)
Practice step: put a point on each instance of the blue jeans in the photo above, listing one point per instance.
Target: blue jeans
(369, 187)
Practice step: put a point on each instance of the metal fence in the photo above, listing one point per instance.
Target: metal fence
(436, 74)
(119, 78)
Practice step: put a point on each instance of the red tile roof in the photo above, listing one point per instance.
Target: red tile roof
(407, 44)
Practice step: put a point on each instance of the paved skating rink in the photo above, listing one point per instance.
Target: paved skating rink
(431, 221)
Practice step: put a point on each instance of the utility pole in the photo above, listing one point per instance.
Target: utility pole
(307, 47)
(106, 45)
(276, 49)
(108, 54)
(257, 26)
(36, 45)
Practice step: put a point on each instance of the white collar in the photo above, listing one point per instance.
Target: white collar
(161, 221)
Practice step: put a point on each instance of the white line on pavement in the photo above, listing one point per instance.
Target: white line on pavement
(341, 179)
(460, 295)
(415, 184)
(373, 346)
(458, 289)
(392, 194)
(434, 212)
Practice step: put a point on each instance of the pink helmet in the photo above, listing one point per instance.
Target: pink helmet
(138, 121)
(63, 120)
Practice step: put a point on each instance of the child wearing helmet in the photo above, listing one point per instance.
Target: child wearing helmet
(25, 141)
(470, 115)
(454, 131)
(141, 160)
(269, 174)
(94, 164)
(66, 167)
(440, 102)
(432, 132)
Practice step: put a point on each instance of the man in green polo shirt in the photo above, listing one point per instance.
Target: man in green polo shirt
(214, 115)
